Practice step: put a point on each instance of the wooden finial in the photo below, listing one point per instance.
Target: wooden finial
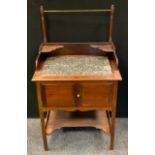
(112, 8)
(41, 7)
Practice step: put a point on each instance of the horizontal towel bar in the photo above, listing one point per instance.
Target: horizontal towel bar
(78, 11)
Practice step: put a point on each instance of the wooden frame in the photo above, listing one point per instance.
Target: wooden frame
(42, 12)
(106, 112)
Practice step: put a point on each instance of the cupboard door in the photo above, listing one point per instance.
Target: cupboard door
(58, 94)
(96, 94)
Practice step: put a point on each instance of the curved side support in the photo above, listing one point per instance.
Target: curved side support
(116, 59)
(50, 48)
(37, 60)
(108, 48)
(104, 48)
(115, 55)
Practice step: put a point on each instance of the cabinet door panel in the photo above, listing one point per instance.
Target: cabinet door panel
(97, 94)
(58, 94)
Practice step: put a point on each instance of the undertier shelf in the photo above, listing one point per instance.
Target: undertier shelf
(60, 119)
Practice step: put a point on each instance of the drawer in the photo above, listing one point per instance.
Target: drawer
(57, 94)
(96, 94)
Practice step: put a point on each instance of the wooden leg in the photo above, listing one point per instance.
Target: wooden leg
(112, 128)
(42, 122)
(43, 131)
(112, 131)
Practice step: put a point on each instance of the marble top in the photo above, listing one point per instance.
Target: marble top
(76, 65)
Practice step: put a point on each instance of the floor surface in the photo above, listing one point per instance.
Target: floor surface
(77, 141)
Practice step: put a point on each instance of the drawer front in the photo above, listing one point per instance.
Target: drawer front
(58, 94)
(96, 94)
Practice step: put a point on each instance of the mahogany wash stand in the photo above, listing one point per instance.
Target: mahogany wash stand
(74, 87)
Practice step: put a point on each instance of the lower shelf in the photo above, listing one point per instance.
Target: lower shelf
(59, 119)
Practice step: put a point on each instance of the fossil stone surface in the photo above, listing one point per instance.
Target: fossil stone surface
(78, 65)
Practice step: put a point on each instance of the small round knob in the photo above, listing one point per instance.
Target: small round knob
(78, 95)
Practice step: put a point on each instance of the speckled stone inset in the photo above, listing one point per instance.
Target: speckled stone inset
(76, 65)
